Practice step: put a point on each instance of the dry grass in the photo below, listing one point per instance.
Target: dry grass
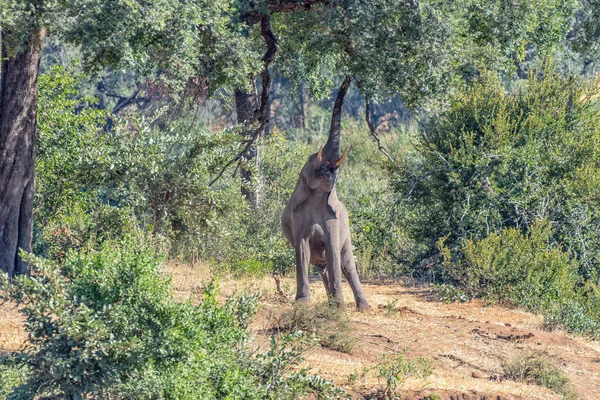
(12, 335)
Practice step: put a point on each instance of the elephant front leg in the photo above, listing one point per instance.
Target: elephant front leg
(302, 260)
(334, 274)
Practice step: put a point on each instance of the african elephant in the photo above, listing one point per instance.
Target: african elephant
(315, 222)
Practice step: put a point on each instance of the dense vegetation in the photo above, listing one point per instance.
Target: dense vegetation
(474, 164)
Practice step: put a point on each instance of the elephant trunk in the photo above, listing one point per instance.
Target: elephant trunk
(331, 151)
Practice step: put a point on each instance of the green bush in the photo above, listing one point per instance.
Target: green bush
(395, 369)
(103, 324)
(512, 267)
(495, 159)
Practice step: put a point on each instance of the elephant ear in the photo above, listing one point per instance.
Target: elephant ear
(301, 193)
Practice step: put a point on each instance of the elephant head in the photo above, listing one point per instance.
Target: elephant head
(317, 176)
(315, 222)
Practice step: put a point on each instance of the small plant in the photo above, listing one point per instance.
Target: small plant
(328, 323)
(536, 368)
(395, 368)
(450, 294)
(361, 376)
(275, 370)
(11, 377)
(391, 307)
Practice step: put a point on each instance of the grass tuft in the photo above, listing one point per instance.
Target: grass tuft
(536, 368)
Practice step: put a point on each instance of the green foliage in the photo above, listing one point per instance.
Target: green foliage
(181, 39)
(162, 173)
(249, 240)
(395, 369)
(527, 271)
(275, 370)
(451, 294)
(535, 368)
(496, 159)
(417, 50)
(104, 324)
(11, 377)
(68, 210)
(512, 267)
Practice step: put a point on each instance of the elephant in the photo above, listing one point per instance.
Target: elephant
(315, 221)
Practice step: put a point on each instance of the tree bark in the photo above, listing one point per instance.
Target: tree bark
(245, 104)
(18, 109)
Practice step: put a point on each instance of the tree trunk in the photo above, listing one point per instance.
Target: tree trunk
(18, 109)
(245, 104)
(304, 99)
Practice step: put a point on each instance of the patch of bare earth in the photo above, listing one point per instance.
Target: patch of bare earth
(467, 342)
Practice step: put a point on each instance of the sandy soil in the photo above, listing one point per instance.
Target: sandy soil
(467, 342)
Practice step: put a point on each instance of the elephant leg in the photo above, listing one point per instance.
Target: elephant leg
(323, 272)
(334, 272)
(302, 260)
(349, 270)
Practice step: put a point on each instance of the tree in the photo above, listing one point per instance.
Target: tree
(418, 51)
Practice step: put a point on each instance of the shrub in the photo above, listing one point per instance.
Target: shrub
(535, 368)
(11, 376)
(104, 324)
(528, 271)
(513, 267)
(495, 159)
(394, 369)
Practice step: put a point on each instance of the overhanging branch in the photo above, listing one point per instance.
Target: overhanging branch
(257, 9)
(373, 129)
(261, 115)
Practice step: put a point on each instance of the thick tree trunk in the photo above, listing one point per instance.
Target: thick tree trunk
(18, 109)
(245, 104)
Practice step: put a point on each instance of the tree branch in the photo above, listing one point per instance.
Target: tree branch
(261, 115)
(257, 9)
(373, 129)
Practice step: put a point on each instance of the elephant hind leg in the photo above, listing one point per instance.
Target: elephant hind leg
(351, 275)
(324, 276)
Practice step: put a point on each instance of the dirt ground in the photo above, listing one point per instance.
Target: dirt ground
(466, 342)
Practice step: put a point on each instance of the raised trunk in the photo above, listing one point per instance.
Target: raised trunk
(331, 151)
(18, 109)
(245, 104)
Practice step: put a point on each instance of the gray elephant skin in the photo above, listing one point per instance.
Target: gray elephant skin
(315, 222)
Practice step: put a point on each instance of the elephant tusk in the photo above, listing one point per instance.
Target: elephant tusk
(320, 155)
(341, 160)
